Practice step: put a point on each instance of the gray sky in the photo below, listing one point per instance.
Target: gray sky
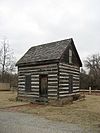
(30, 22)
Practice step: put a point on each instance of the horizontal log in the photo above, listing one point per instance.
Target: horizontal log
(50, 79)
(64, 84)
(67, 65)
(33, 96)
(29, 70)
(64, 74)
(21, 77)
(29, 93)
(52, 98)
(38, 70)
(63, 81)
(64, 77)
(52, 94)
(35, 76)
(32, 91)
(63, 92)
(35, 93)
(76, 82)
(35, 82)
(21, 89)
(23, 74)
(34, 86)
(52, 82)
(64, 95)
(76, 78)
(69, 68)
(72, 94)
(69, 72)
(52, 86)
(52, 75)
(35, 90)
(52, 90)
(38, 67)
(76, 90)
(75, 93)
(62, 88)
(21, 86)
(76, 75)
(35, 79)
(39, 73)
(77, 87)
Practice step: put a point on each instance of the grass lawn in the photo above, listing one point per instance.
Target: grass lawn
(85, 113)
(8, 99)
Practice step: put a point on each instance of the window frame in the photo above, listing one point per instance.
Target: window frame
(70, 56)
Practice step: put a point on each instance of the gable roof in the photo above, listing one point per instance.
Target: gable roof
(45, 52)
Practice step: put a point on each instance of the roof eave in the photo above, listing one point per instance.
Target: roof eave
(38, 62)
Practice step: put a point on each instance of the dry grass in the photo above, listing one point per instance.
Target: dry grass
(8, 98)
(85, 112)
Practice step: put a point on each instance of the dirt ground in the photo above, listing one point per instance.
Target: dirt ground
(86, 112)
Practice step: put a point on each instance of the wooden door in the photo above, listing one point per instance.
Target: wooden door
(28, 83)
(70, 84)
(43, 86)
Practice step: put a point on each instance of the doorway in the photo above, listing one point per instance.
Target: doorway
(43, 88)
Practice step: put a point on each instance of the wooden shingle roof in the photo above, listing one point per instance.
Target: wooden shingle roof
(46, 52)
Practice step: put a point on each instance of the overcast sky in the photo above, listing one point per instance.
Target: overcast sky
(30, 22)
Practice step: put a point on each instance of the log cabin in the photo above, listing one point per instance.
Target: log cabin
(49, 71)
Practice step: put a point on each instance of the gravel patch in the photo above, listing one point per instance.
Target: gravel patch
(14, 122)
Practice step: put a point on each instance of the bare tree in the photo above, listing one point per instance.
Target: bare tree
(92, 63)
(7, 63)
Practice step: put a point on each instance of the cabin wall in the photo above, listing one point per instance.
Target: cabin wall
(65, 56)
(51, 70)
(65, 71)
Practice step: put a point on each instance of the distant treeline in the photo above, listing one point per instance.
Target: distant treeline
(7, 64)
(92, 77)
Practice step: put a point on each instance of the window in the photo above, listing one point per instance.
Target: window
(70, 84)
(28, 83)
(70, 56)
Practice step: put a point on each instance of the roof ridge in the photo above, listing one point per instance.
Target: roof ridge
(51, 42)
